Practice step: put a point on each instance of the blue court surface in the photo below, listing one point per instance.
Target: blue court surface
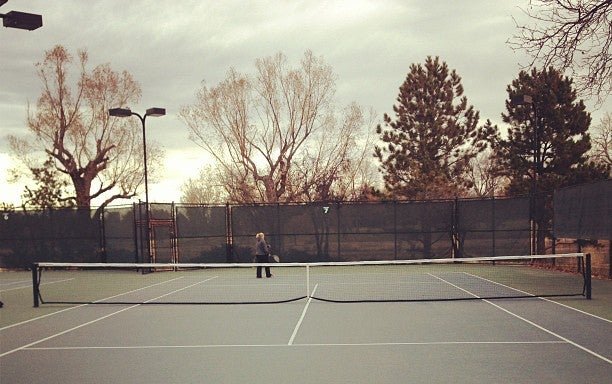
(529, 340)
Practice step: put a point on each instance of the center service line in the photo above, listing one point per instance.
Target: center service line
(299, 323)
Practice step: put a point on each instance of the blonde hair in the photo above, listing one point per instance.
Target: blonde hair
(259, 236)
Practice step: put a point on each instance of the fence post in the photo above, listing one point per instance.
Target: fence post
(338, 227)
(174, 235)
(394, 229)
(135, 228)
(228, 234)
(454, 228)
(278, 237)
(553, 231)
(493, 225)
(103, 256)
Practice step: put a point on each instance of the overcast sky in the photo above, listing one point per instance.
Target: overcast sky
(172, 47)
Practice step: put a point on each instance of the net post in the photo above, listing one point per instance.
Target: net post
(587, 276)
(35, 285)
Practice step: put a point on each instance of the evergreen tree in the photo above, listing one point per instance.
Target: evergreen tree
(51, 188)
(552, 129)
(429, 144)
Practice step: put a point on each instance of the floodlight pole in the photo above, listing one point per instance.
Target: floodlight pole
(155, 112)
(522, 100)
(534, 181)
(146, 181)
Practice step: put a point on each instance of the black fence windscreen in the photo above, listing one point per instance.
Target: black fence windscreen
(201, 233)
(584, 211)
(119, 231)
(61, 235)
(309, 232)
(384, 230)
(495, 227)
(424, 229)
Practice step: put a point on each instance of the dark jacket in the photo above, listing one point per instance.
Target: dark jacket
(262, 248)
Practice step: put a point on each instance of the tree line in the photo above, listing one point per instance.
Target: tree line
(277, 134)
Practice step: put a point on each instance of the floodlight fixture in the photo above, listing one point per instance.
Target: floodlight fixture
(21, 20)
(120, 112)
(522, 99)
(156, 112)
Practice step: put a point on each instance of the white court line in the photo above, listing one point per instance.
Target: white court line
(41, 317)
(531, 323)
(98, 319)
(30, 286)
(66, 331)
(205, 346)
(83, 305)
(299, 323)
(575, 309)
(16, 282)
(541, 298)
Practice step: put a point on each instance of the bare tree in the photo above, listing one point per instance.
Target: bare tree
(336, 164)
(101, 157)
(204, 189)
(276, 136)
(601, 142)
(571, 35)
(484, 175)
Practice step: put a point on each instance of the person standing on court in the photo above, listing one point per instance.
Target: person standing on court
(262, 252)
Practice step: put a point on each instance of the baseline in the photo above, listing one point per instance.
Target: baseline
(206, 346)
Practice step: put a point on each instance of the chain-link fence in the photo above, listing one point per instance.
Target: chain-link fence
(64, 235)
(309, 232)
(384, 230)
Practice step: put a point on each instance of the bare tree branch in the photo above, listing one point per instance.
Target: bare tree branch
(484, 175)
(573, 36)
(601, 149)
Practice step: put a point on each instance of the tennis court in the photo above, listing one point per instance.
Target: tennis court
(387, 329)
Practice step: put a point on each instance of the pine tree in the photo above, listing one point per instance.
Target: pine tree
(551, 129)
(433, 137)
(51, 188)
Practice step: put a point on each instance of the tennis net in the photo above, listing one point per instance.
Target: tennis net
(366, 281)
